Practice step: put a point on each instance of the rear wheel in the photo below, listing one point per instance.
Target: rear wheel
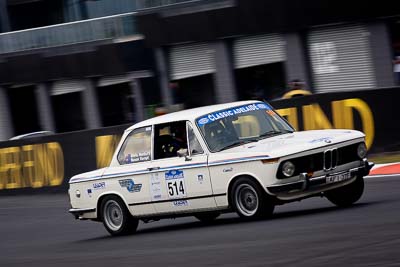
(208, 217)
(347, 195)
(116, 218)
(249, 200)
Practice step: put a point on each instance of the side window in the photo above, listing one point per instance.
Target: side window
(137, 147)
(194, 144)
(169, 138)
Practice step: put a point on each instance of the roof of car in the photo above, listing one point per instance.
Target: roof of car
(188, 114)
(33, 134)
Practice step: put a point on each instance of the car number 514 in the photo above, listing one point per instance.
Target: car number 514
(176, 188)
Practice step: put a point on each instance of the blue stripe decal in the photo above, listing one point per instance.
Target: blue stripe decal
(221, 162)
(186, 166)
(116, 175)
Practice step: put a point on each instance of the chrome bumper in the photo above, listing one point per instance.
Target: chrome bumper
(306, 182)
(79, 212)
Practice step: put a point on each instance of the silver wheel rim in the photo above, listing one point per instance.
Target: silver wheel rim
(113, 215)
(246, 199)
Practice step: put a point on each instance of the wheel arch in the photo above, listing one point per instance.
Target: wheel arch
(240, 176)
(103, 196)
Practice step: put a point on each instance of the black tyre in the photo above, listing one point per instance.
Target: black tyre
(208, 217)
(347, 195)
(116, 217)
(249, 200)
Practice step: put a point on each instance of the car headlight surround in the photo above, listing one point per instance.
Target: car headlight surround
(362, 150)
(288, 169)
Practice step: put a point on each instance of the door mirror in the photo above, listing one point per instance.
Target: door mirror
(183, 152)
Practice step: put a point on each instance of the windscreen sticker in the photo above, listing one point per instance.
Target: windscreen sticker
(138, 157)
(231, 112)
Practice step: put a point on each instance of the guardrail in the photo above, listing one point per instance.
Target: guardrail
(110, 27)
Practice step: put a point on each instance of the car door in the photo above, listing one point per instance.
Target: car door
(183, 183)
(131, 178)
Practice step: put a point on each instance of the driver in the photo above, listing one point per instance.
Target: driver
(179, 135)
(177, 141)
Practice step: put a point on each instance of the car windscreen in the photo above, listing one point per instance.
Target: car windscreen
(239, 125)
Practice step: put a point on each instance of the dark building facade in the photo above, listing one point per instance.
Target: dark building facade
(89, 64)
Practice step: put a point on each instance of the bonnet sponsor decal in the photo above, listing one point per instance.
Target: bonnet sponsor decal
(323, 139)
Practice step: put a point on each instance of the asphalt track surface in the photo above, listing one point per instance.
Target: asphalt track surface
(38, 231)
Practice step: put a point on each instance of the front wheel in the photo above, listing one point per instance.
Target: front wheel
(347, 195)
(249, 200)
(116, 218)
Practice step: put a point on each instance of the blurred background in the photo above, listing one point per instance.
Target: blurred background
(80, 71)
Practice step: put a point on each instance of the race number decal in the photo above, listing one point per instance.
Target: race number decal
(175, 182)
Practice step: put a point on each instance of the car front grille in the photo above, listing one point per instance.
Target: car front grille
(327, 160)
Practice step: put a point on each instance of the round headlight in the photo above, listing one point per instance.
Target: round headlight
(288, 169)
(361, 150)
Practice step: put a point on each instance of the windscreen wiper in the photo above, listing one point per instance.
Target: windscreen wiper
(273, 133)
(236, 143)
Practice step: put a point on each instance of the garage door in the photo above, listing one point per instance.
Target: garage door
(258, 50)
(67, 86)
(191, 60)
(341, 59)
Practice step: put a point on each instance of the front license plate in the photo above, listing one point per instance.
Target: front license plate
(338, 177)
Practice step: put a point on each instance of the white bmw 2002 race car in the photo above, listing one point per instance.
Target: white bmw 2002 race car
(240, 157)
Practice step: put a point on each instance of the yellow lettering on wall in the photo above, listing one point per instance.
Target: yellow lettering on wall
(290, 115)
(105, 147)
(13, 166)
(3, 171)
(55, 167)
(343, 117)
(28, 165)
(314, 118)
(33, 166)
(41, 163)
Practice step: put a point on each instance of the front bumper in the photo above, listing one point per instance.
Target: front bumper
(311, 183)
